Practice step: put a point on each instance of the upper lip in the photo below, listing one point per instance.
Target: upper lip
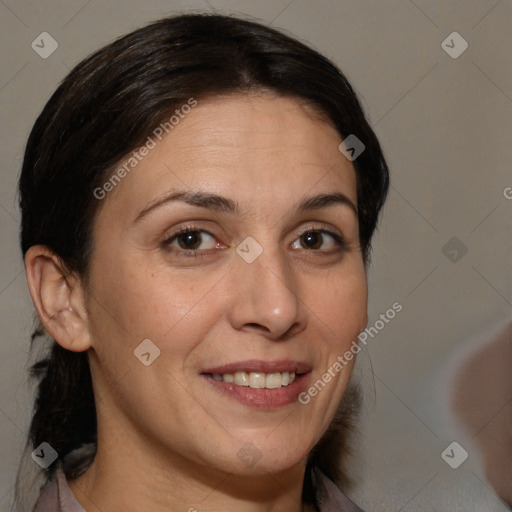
(257, 365)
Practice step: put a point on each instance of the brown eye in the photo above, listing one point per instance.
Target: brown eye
(191, 241)
(314, 239)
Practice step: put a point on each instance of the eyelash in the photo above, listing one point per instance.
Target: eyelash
(194, 253)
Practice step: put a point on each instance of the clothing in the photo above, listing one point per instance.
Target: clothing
(56, 496)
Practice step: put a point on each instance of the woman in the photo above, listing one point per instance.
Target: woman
(198, 200)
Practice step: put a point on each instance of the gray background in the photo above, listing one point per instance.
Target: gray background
(441, 367)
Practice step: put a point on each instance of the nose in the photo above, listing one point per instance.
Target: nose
(266, 296)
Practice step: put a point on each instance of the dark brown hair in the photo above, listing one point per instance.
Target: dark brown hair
(105, 108)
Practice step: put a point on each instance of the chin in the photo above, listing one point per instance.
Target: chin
(269, 454)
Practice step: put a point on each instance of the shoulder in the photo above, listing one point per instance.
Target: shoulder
(328, 495)
(56, 496)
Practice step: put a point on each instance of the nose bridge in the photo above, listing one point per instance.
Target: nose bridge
(267, 293)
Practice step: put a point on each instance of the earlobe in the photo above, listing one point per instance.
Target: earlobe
(58, 298)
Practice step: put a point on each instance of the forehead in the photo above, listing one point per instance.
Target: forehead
(260, 123)
(250, 145)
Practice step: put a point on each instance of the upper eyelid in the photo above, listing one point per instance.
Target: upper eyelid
(185, 229)
(194, 227)
(323, 229)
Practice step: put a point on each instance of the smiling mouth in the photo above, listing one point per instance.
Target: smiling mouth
(256, 380)
(258, 383)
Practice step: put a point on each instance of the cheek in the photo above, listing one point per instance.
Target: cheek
(338, 307)
(140, 301)
(340, 301)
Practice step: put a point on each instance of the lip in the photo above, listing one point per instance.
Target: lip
(258, 365)
(261, 398)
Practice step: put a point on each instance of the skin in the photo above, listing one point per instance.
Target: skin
(167, 440)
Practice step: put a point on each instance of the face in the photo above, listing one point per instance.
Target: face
(266, 282)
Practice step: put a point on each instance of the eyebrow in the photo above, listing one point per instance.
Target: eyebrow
(223, 204)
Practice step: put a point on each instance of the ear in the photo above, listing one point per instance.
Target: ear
(58, 297)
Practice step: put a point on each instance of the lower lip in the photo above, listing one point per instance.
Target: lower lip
(261, 398)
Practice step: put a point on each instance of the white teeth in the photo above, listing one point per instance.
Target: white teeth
(257, 380)
(273, 380)
(241, 379)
